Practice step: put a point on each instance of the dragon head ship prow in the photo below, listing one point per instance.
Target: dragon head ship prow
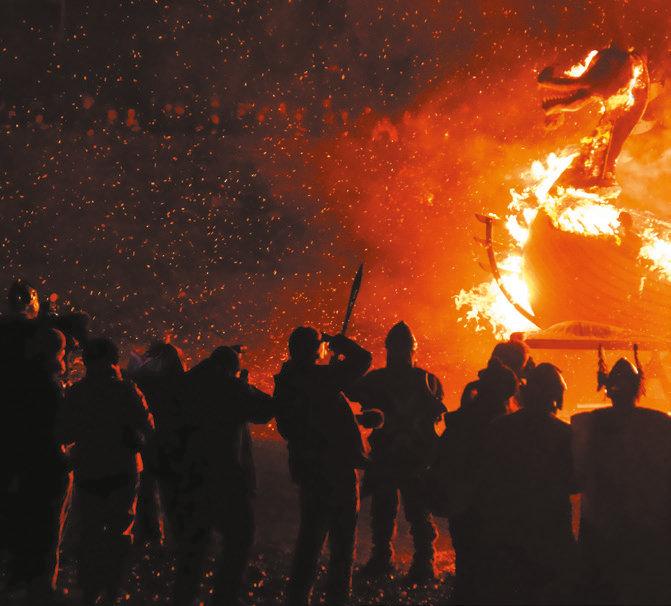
(618, 81)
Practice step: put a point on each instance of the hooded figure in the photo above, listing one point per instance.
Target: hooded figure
(624, 463)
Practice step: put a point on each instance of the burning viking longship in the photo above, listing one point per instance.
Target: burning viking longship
(580, 258)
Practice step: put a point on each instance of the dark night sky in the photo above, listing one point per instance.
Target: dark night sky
(217, 170)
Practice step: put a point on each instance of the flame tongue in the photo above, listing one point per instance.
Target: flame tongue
(577, 70)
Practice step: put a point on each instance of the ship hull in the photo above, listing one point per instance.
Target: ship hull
(572, 277)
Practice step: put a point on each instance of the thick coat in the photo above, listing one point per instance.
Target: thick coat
(316, 419)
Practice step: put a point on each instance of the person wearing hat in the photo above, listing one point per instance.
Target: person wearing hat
(411, 400)
(625, 472)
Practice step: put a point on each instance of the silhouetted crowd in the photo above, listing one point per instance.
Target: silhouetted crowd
(165, 453)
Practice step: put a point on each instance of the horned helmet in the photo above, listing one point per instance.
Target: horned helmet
(624, 382)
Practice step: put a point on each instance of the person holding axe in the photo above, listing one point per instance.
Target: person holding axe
(325, 450)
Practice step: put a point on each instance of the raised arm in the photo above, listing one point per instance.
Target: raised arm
(352, 363)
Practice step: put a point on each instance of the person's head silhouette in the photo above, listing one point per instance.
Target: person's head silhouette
(401, 345)
(544, 389)
(305, 345)
(99, 354)
(624, 384)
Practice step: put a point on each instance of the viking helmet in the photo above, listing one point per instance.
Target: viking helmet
(400, 339)
(624, 382)
(545, 387)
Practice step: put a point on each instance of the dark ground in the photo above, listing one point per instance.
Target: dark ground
(152, 574)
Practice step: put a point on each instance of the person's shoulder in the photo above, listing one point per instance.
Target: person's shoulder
(201, 372)
(602, 413)
(431, 380)
(653, 420)
(377, 375)
(202, 367)
(377, 372)
(559, 428)
(651, 413)
(640, 412)
(555, 421)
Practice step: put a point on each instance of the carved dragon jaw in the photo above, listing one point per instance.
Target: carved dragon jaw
(573, 101)
(601, 76)
(570, 94)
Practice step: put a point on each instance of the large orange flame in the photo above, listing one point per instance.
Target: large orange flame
(591, 213)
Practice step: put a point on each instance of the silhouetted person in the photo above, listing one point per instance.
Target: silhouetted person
(624, 466)
(159, 378)
(38, 469)
(325, 449)
(218, 480)
(513, 354)
(411, 401)
(30, 358)
(527, 550)
(461, 450)
(17, 329)
(26, 317)
(107, 422)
